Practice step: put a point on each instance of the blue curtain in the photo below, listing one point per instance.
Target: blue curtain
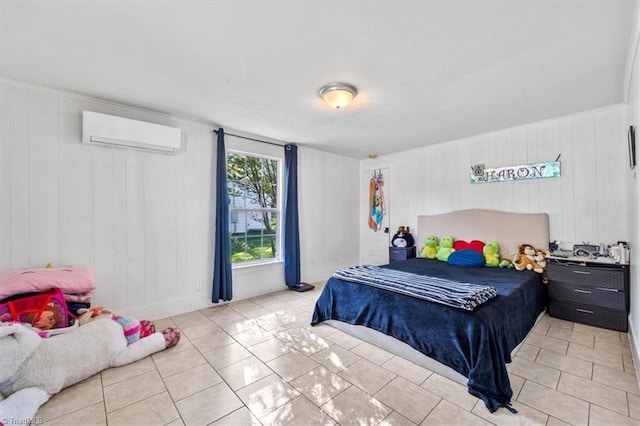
(291, 234)
(222, 279)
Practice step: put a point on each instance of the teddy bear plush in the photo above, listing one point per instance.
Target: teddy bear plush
(445, 248)
(429, 249)
(529, 258)
(32, 369)
(541, 259)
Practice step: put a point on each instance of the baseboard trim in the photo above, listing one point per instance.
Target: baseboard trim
(167, 308)
(635, 350)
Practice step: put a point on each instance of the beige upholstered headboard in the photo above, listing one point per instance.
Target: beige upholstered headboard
(507, 229)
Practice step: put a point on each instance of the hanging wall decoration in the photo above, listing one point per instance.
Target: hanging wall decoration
(376, 201)
(549, 169)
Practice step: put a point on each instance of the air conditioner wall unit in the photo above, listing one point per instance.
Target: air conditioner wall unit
(109, 130)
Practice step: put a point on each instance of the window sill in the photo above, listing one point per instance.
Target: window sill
(256, 264)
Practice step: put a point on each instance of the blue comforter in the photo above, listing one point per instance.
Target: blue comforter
(476, 344)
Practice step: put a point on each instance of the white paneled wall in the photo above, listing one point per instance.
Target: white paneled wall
(126, 213)
(328, 202)
(633, 209)
(587, 203)
(144, 221)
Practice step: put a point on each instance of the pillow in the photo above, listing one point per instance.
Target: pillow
(71, 280)
(476, 245)
(466, 258)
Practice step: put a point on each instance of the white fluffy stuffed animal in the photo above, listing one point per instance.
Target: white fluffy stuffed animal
(33, 369)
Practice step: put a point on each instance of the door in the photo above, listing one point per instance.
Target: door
(374, 244)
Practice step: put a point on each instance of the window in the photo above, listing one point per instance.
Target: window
(254, 207)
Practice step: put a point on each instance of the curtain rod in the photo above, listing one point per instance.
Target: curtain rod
(251, 139)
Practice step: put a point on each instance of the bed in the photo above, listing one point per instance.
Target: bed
(470, 347)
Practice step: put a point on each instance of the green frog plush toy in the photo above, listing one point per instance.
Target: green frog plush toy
(491, 253)
(445, 248)
(430, 247)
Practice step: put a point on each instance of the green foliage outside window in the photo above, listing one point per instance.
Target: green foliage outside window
(253, 203)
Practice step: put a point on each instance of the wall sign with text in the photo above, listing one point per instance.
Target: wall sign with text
(549, 169)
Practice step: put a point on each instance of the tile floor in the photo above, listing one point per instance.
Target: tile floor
(258, 361)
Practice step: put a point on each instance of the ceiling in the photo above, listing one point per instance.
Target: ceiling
(426, 72)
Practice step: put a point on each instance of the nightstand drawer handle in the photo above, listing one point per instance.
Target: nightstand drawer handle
(582, 272)
(584, 311)
(581, 291)
(613, 290)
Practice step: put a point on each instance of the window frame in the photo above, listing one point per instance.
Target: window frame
(278, 210)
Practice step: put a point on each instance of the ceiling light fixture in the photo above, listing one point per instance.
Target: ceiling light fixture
(338, 95)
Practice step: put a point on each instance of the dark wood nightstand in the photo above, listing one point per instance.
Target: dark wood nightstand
(401, 253)
(589, 292)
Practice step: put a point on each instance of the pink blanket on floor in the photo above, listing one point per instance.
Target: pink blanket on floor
(71, 280)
